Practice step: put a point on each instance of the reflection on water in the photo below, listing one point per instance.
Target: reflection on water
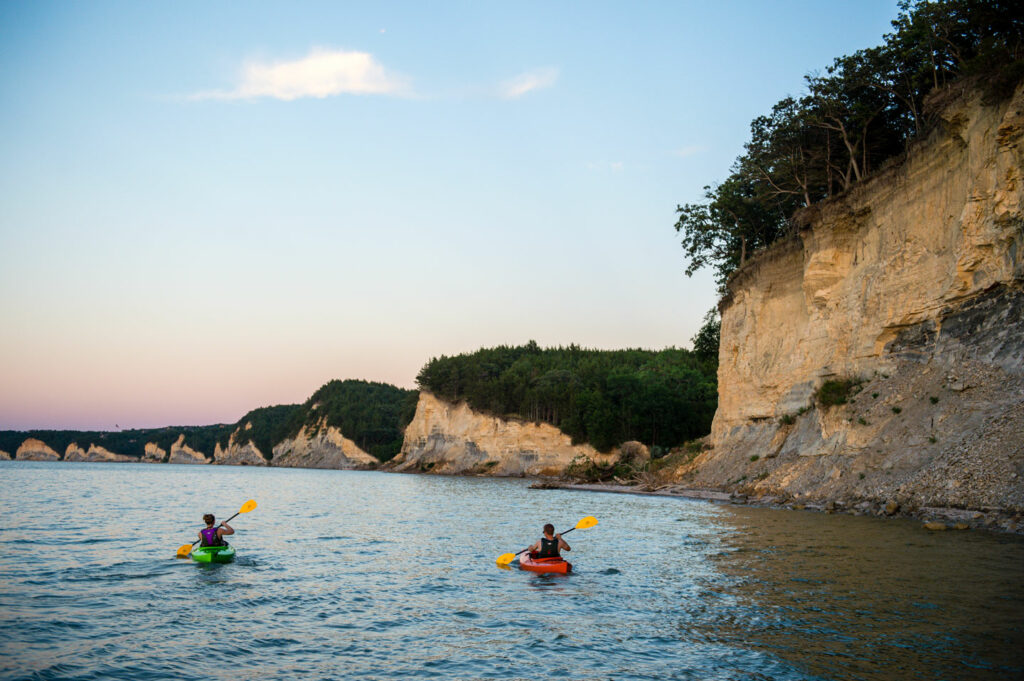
(377, 576)
(847, 597)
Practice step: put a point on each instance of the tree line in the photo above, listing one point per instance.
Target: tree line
(863, 111)
(603, 397)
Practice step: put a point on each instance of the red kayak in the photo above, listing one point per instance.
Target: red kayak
(556, 564)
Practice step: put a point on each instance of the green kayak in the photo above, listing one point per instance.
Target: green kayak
(213, 554)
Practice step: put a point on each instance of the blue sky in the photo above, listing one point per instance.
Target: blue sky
(209, 207)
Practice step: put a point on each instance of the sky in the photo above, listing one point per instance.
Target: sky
(211, 207)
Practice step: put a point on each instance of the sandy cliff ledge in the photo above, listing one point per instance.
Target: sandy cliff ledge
(452, 438)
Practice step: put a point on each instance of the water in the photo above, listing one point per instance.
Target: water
(378, 576)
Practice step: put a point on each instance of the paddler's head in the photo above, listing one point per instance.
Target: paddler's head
(208, 519)
(549, 530)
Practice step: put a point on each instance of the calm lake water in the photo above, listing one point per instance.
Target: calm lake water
(344, 575)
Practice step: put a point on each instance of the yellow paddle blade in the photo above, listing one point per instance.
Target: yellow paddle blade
(506, 558)
(249, 505)
(184, 550)
(586, 523)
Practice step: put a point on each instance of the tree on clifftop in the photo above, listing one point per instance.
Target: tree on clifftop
(864, 110)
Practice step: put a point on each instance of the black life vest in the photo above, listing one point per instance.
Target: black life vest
(548, 548)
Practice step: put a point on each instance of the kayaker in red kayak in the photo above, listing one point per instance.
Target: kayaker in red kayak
(213, 536)
(549, 545)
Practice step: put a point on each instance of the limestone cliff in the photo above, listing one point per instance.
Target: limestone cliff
(235, 454)
(182, 453)
(4, 456)
(154, 453)
(913, 284)
(35, 450)
(452, 438)
(321, 446)
(94, 454)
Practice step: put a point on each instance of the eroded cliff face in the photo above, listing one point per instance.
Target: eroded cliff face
(35, 450)
(452, 438)
(4, 456)
(235, 454)
(912, 283)
(154, 453)
(321, 447)
(182, 453)
(94, 454)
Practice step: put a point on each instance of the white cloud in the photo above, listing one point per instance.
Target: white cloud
(537, 79)
(692, 150)
(323, 73)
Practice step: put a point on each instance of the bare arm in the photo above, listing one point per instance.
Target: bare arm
(224, 529)
(562, 544)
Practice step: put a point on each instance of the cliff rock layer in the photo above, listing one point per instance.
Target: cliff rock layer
(913, 285)
(449, 438)
(35, 450)
(321, 447)
(182, 453)
(154, 453)
(94, 453)
(236, 454)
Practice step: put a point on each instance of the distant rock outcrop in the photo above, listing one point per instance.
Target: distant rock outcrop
(94, 454)
(4, 456)
(154, 454)
(236, 454)
(35, 450)
(452, 438)
(182, 453)
(321, 446)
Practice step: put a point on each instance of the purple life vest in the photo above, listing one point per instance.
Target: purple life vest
(210, 537)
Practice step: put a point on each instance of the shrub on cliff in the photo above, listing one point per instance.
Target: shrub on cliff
(835, 392)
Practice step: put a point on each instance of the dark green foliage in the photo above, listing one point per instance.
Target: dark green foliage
(373, 415)
(127, 442)
(864, 110)
(896, 410)
(862, 421)
(934, 400)
(754, 457)
(836, 392)
(787, 420)
(705, 343)
(602, 397)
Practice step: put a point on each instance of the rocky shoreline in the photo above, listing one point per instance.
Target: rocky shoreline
(933, 518)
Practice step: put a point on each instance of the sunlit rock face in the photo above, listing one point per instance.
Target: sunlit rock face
(321, 446)
(182, 453)
(913, 283)
(452, 438)
(35, 450)
(239, 454)
(94, 454)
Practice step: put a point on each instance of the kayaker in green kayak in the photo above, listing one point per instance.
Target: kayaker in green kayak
(548, 545)
(214, 536)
